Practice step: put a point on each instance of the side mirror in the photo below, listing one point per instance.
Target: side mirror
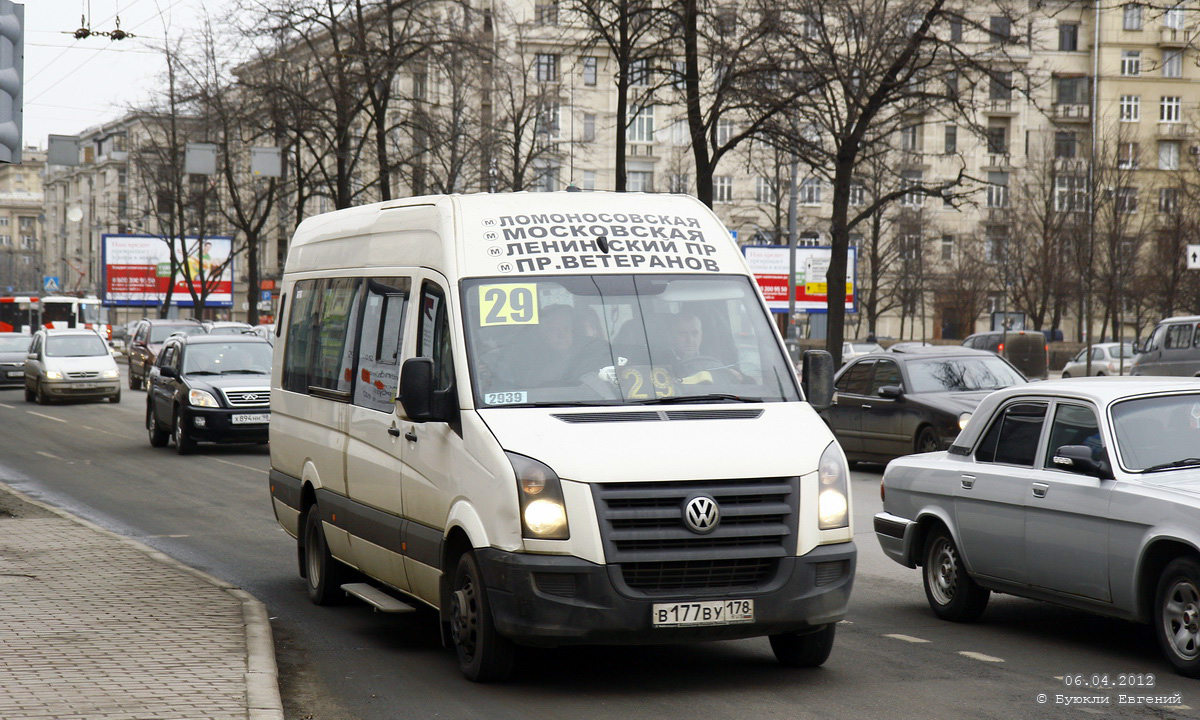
(1078, 459)
(816, 378)
(891, 392)
(168, 372)
(31, 356)
(421, 402)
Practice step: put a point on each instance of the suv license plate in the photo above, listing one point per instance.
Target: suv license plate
(708, 612)
(16, 373)
(251, 419)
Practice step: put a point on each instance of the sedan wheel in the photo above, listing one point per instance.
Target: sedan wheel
(158, 436)
(927, 441)
(183, 443)
(951, 592)
(42, 397)
(1177, 615)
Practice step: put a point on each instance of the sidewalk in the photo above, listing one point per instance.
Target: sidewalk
(95, 626)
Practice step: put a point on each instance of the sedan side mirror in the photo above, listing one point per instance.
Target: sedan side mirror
(1078, 459)
(891, 392)
(168, 372)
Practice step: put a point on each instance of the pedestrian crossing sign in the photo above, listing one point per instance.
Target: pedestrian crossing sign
(50, 284)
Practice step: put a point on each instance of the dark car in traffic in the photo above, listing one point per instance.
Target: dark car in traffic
(209, 388)
(13, 349)
(146, 340)
(889, 405)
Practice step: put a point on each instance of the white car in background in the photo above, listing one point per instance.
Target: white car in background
(1107, 359)
(70, 364)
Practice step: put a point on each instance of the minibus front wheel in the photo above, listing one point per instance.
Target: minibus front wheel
(323, 574)
(483, 654)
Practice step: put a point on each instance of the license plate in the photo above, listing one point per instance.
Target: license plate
(251, 418)
(708, 612)
(84, 386)
(16, 373)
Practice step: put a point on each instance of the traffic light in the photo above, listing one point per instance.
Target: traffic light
(12, 62)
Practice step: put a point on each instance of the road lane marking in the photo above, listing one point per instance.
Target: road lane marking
(46, 454)
(123, 437)
(906, 638)
(10, 407)
(48, 417)
(980, 656)
(244, 467)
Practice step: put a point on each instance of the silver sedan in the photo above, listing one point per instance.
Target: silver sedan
(1082, 492)
(1107, 359)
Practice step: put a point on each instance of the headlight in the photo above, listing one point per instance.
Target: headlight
(110, 374)
(833, 491)
(53, 375)
(202, 398)
(543, 512)
(963, 420)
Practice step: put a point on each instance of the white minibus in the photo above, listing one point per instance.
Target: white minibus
(554, 418)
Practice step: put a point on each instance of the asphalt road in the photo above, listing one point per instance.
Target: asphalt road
(892, 658)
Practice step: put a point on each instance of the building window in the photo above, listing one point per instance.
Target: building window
(995, 243)
(589, 127)
(1071, 90)
(420, 84)
(997, 190)
(1168, 200)
(1000, 85)
(1172, 61)
(546, 12)
(764, 190)
(997, 139)
(1128, 156)
(590, 65)
(947, 248)
(546, 176)
(951, 142)
(639, 73)
(810, 191)
(809, 238)
(639, 181)
(1133, 16)
(3, 222)
(678, 74)
(1131, 63)
(1173, 18)
(680, 184)
(1064, 144)
(680, 134)
(999, 29)
(641, 130)
(1169, 109)
(858, 194)
(1131, 108)
(1168, 155)
(589, 179)
(6, 240)
(724, 131)
(549, 122)
(1126, 200)
(910, 179)
(1068, 37)
(722, 188)
(547, 67)
(1070, 193)
(26, 223)
(956, 27)
(28, 242)
(910, 138)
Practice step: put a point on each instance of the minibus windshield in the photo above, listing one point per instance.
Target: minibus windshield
(622, 340)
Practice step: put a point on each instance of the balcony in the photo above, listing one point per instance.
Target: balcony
(1072, 112)
(633, 149)
(1176, 37)
(1174, 130)
(1000, 107)
(1071, 166)
(997, 160)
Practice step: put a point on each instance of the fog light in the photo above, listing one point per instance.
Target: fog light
(200, 422)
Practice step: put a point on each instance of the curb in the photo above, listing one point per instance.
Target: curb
(262, 674)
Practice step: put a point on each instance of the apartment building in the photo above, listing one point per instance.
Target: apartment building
(21, 227)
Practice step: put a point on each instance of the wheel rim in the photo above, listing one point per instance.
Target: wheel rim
(465, 625)
(149, 422)
(177, 431)
(941, 572)
(313, 551)
(1181, 619)
(928, 442)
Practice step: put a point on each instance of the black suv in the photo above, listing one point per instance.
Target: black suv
(146, 339)
(211, 388)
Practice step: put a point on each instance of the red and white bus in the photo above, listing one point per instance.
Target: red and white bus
(24, 313)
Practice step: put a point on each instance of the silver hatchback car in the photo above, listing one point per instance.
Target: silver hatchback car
(1082, 492)
(64, 364)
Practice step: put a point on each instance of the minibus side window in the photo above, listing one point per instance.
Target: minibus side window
(302, 325)
(332, 365)
(379, 343)
(434, 334)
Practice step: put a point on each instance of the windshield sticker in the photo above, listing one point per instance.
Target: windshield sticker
(505, 398)
(593, 241)
(510, 304)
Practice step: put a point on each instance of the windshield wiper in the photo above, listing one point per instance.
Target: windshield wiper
(202, 372)
(711, 397)
(1186, 462)
(243, 372)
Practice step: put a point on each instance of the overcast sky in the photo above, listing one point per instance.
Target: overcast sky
(72, 85)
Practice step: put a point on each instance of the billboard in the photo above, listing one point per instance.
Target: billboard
(137, 270)
(769, 265)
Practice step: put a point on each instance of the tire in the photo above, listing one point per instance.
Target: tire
(42, 397)
(158, 436)
(1066, 375)
(483, 654)
(29, 395)
(133, 384)
(926, 441)
(808, 650)
(1177, 615)
(183, 444)
(115, 398)
(951, 592)
(323, 575)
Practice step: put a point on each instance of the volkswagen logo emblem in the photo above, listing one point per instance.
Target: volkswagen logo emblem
(701, 514)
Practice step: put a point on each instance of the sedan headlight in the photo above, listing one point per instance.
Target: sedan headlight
(833, 490)
(963, 420)
(53, 375)
(111, 374)
(543, 512)
(202, 398)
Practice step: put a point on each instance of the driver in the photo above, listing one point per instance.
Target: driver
(688, 363)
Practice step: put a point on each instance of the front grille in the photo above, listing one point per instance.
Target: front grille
(642, 525)
(11, 366)
(83, 375)
(249, 397)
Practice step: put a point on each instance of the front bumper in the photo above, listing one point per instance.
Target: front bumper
(62, 389)
(896, 537)
(551, 600)
(216, 424)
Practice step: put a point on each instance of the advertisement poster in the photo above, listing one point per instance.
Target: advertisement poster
(137, 270)
(769, 264)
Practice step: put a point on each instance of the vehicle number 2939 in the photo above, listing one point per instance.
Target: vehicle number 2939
(709, 612)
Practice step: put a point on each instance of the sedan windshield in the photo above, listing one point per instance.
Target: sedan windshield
(1158, 433)
(16, 343)
(252, 358)
(622, 339)
(75, 346)
(961, 374)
